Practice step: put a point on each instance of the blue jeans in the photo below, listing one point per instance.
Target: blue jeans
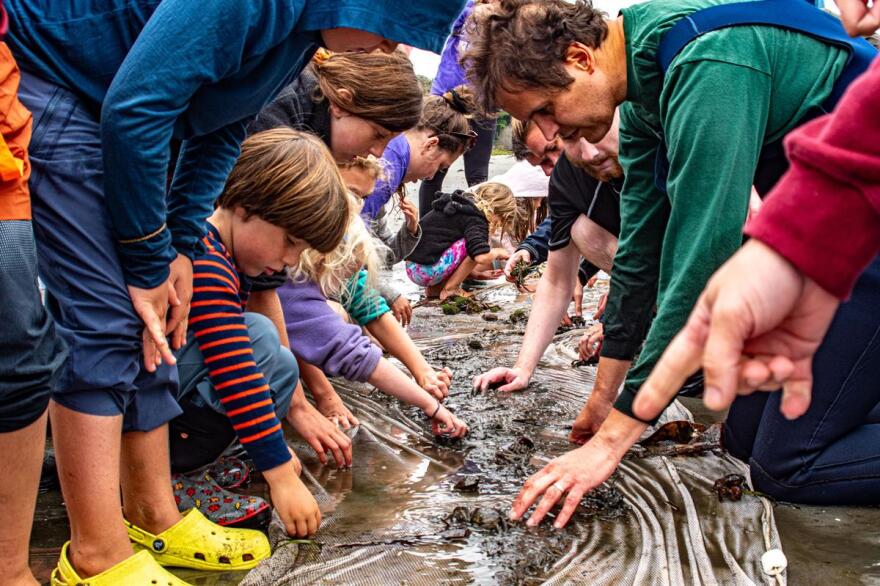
(203, 431)
(77, 260)
(830, 455)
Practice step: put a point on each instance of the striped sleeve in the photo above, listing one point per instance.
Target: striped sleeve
(217, 320)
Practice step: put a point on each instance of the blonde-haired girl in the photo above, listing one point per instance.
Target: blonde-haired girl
(455, 237)
(321, 338)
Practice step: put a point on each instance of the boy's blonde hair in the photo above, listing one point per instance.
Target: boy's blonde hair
(381, 87)
(288, 178)
(333, 270)
(496, 199)
(369, 165)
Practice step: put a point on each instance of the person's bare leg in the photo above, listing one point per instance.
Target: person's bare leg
(595, 243)
(20, 468)
(145, 475)
(432, 291)
(87, 453)
(451, 285)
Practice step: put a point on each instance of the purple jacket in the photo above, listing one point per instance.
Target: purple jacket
(450, 73)
(394, 162)
(320, 337)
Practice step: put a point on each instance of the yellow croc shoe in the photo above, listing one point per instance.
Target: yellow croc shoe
(195, 542)
(139, 569)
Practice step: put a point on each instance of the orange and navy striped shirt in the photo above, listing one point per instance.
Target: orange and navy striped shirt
(216, 318)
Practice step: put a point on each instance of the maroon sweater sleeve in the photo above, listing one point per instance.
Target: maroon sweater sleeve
(824, 214)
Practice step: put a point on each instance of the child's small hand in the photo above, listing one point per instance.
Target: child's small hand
(500, 254)
(292, 500)
(402, 310)
(410, 214)
(435, 382)
(445, 423)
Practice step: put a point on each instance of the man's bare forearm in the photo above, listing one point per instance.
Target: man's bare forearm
(609, 377)
(551, 300)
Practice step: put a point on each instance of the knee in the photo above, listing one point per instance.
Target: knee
(285, 382)
(265, 340)
(783, 481)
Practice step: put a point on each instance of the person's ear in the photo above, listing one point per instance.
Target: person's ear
(432, 146)
(345, 95)
(337, 112)
(580, 57)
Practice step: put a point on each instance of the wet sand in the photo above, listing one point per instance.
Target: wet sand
(824, 545)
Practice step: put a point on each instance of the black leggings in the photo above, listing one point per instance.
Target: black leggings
(198, 437)
(476, 164)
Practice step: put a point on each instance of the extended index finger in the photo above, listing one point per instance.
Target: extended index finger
(681, 359)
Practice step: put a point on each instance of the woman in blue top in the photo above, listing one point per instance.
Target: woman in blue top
(442, 135)
(110, 84)
(450, 75)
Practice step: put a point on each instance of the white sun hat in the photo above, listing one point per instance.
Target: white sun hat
(524, 180)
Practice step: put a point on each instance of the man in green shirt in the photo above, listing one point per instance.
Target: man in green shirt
(714, 115)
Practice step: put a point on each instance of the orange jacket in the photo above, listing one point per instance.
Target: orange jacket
(15, 134)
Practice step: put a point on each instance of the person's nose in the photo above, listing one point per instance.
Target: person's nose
(548, 126)
(378, 148)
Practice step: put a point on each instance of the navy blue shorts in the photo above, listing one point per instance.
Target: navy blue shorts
(86, 293)
(30, 351)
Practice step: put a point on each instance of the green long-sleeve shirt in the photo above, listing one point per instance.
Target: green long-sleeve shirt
(725, 95)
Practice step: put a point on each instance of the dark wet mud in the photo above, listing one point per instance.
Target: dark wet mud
(419, 510)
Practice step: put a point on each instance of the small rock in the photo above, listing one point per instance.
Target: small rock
(468, 484)
(456, 533)
(475, 344)
(490, 317)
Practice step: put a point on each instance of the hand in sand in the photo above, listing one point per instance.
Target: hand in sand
(591, 341)
(402, 310)
(519, 255)
(445, 423)
(436, 382)
(510, 379)
(589, 420)
(322, 435)
(757, 325)
(331, 406)
(292, 501)
(574, 473)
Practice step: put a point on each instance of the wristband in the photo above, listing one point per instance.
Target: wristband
(437, 410)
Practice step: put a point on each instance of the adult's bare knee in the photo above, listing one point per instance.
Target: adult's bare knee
(595, 243)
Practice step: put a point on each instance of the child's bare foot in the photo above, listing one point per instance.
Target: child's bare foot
(433, 291)
(446, 293)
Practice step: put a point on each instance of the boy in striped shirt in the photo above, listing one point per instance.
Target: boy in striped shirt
(283, 196)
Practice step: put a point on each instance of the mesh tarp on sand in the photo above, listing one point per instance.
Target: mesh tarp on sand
(414, 512)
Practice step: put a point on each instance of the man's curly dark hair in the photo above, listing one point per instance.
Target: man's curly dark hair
(521, 44)
(519, 129)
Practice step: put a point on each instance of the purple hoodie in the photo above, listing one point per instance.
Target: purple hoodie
(450, 73)
(321, 337)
